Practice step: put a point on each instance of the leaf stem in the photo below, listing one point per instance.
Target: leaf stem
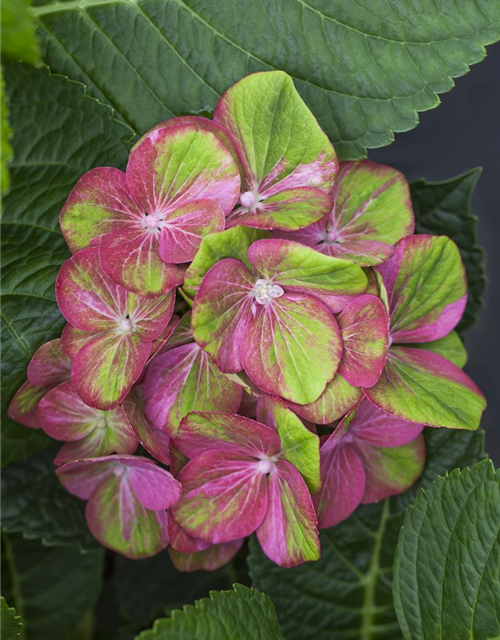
(370, 581)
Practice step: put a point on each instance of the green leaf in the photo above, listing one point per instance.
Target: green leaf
(443, 208)
(51, 588)
(450, 347)
(347, 594)
(59, 134)
(365, 69)
(35, 504)
(242, 614)
(148, 588)
(18, 31)
(11, 623)
(6, 133)
(447, 560)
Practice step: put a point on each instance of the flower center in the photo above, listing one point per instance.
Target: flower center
(330, 237)
(101, 423)
(264, 291)
(265, 466)
(118, 471)
(248, 200)
(151, 222)
(125, 325)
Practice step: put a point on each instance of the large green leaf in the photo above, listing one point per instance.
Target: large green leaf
(59, 134)
(443, 208)
(242, 614)
(347, 594)
(447, 561)
(11, 623)
(364, 68)
(35, 504)
(18, 31)
(145, 589)
(51, 588)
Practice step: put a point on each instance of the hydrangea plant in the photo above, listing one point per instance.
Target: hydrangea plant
(316, 339)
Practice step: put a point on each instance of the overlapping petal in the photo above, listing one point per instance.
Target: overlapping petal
(288, 534)
(182, 380)
(287, 162)
(371, 211)
(364, 327)
(127, 498)
(63, 415)
(370, 456)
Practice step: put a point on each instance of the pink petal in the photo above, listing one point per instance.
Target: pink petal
(205, 431)
(87, 297)
(182, 541)
(23, 406)
(288, 534)
(285, 209)
(203, 124)
(224, 499)
(342, 482)
(216, 556)
(185, 227)
(173, 166)
(63, 415)
(152, 315)
(335, 401)
(98, 204)
(156, 442)
(131, 257)
(154, 487)
(221, 312)
(364, 326)
(374, 426)
(74, 339)
(426, 287)
(183, 380)
(292, 348)
(120, 522)
(83, 477)
(49, 365)
(390, 471)
(107, 367)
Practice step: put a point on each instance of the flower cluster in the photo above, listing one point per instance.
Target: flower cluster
(258, 317)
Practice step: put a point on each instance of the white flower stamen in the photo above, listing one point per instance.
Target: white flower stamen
(125, 325)
(151, 222)
(265, 466)
(248, 200)
(265, 291)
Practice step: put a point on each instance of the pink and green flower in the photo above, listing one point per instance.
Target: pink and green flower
(184, 379)
(87, 432)
(127, 498)
(239, 480)
(371, 211)
(270, 313)
(370, 456)
(120, 326)
(425, 289)
(287, 163)
(179, 184)
(48, 367)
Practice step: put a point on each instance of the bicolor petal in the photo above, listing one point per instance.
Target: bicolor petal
(364, 327)
(100, 203)
(288, 534)
(422, 386)
(205, 431)
(49, 365)
(337, 399)
(426, 288)
(210, 559)
(182, 380)
(224, 498)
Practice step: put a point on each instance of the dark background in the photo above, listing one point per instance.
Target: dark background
(462, 133)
